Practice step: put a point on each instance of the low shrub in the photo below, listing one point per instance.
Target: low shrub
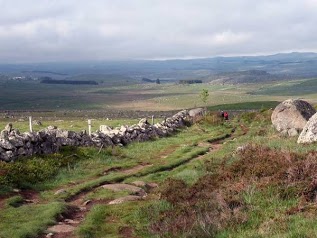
(15, 201)
(26, 172)
(213, 118)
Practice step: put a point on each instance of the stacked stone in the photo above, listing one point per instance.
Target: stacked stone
(14, 144)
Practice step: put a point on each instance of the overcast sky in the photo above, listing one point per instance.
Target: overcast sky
(68, 30)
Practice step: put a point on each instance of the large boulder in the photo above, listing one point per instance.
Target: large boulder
(292, 115)
(196, 112)
(309, 133)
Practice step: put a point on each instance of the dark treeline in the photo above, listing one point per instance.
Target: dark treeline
(190, 81)
(76, 82)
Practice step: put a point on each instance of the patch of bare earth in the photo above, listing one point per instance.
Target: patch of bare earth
(135, 169)
(126, 232)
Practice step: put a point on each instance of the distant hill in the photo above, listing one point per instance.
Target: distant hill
(43, 72)
(287, 65)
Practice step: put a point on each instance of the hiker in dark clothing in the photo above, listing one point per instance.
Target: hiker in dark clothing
(222, 114)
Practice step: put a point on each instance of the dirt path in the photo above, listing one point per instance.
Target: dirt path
(79, 206)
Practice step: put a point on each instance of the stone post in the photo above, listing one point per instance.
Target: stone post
(89, 127)
(30, 124)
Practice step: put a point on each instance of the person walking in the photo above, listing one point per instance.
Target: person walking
(226, 116)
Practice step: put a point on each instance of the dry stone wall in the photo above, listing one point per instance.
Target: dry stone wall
(14, 144)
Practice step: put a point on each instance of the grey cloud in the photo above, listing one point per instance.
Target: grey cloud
(45, 30)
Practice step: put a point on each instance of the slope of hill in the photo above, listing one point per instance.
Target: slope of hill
(299, 88)
(247, 76)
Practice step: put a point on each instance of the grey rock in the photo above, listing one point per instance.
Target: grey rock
(50, 235)
(37, 123)
(309, 133)
(292, 114)
(51, 127)
(16, 141)
(22, 151)
(292, 132)
(87, 202)
(105, 128)
(125, 199)
(5, 144)
(195, 113)
(123, 187)
(61, 191)
(8, 127)
(4, 134)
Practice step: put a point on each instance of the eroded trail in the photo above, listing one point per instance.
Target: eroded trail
(78, 204)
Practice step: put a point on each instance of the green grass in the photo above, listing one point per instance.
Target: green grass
(182, 156)
(298, 88)
(245, 106)
(28, 221)
(94, 223)
(72, 124)
(267, 217)
(266, 211)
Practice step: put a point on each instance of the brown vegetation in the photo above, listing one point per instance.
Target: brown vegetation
(216, 200)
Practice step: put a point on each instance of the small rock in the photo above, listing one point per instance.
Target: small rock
(49, 235)
(61, 191)
(62, 228)
(70, 221)
(86, 202)
(241, 148)
(125, 199)
(139, 183)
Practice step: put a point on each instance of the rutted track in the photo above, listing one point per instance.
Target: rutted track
(78, 206)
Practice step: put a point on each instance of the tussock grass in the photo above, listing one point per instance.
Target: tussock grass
(94, 222)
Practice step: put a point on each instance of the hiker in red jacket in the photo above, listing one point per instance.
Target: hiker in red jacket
(226, 116)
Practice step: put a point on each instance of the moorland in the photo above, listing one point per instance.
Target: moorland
(214, 178)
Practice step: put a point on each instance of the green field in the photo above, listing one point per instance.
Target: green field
(32, 95)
